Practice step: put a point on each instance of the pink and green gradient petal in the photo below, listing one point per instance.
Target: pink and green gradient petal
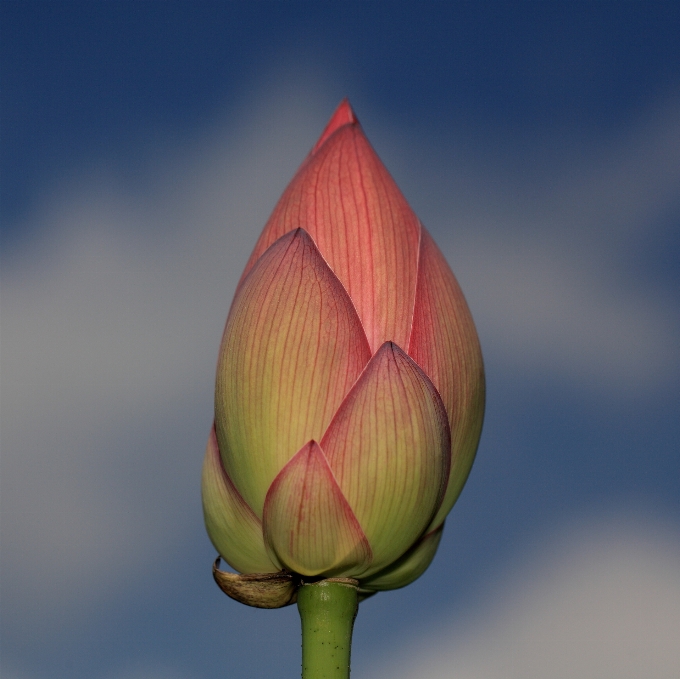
(308, 525)
(389, 449)
(292, 348)
(444, 344)
(233, 528)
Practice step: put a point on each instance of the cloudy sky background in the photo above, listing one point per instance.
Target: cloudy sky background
(143, 148)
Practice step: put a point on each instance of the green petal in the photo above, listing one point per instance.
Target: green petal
(308, 524)
(444, 344)
(410, 567)
(292, 348)
(233, 528)
(389, 449)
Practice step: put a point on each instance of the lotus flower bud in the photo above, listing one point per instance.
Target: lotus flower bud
(350, 389)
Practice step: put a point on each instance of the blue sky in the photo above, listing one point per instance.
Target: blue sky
(143, 147)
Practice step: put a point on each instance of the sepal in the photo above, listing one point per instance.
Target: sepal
(261, 590)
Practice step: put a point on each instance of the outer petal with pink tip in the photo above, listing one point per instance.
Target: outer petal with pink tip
(292, 347)
(389, 449)
(308, 525)
(233, 528)
(345, 198)
(444, 344)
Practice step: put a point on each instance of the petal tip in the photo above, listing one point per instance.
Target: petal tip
(343, 115)
(308, 523)
(393, 351)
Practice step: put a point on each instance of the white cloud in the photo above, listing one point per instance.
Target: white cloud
(601, 602)
(112, 319)
(545, 249)
(110, 331)
(541, 311)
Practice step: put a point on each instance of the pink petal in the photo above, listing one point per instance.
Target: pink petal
(444, 344)
(308, 525)
(345, 198)
(292, 347)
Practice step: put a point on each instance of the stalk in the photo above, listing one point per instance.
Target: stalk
(327, 612)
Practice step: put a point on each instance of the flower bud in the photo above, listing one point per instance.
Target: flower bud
(350, 388)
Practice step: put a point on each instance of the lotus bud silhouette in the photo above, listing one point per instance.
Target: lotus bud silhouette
(350, 387)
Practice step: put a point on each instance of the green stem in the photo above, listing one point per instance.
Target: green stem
(327, 611)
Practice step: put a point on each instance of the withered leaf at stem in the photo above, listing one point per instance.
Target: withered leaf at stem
(261, 590)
